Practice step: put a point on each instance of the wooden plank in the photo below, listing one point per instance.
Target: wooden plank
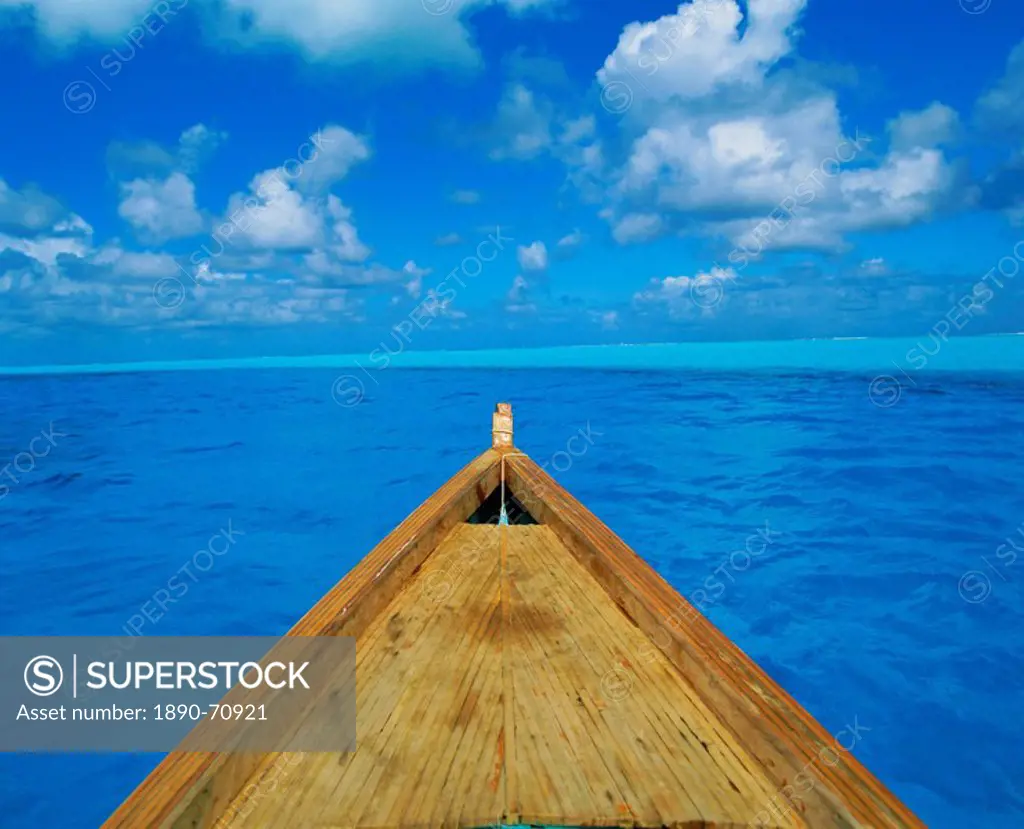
(668, 779)
(431, 714)
(428, 736)
(191, 789)
(787, 742)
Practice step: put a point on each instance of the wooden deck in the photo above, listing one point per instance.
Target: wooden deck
(536, 673)
(586, 747)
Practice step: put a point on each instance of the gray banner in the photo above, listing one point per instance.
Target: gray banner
(164, 693)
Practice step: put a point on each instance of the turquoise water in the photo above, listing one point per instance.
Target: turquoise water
(902, 358)
(890, 595)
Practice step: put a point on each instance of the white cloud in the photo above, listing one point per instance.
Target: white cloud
(519, 300)
(570, 241)
(636, 227)
(466, 197)
(46, 249)
(102, 19)
(874, 267)
(608, 320)
(57, 276)
(532, 257)
(902, 190)
(522, 125)
(690, 53)
(742, 160)
(284, 209)
(722, 141)
(141, 264)
(396, 32)
(1001, 109)
(529, 124)
(149, 159)
(578, 129)
(29, 210)
(687, 296)
(161, 209)
(332, 152)
(930, 127)
(196, 143)
(517, 293)
(414, 287)
(273, 215)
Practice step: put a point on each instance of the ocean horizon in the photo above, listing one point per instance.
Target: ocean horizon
(902, 357)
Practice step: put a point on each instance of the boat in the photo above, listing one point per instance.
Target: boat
(518, 664)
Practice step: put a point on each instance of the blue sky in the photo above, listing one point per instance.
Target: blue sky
(220, 178)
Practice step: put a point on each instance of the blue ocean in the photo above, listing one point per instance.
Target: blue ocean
(890, 596)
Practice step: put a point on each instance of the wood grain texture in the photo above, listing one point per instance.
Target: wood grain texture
(507, 615)
(192, 789)
(814, 776)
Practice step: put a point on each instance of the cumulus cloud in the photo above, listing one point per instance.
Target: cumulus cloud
(532, 257)
(392, 31)
(197, 143)
(1000, 113)
(691, 53)
(414, 287)
(529, 124)
(569, 244)
(608, 320)
(724, 141)
(327, 157)
(687, 296)
(284, 251)
(161, 209)
(931, 127)
(518, 300)
(522, 126)
(141, 159)
(1001, 108)
(31, 211)
(285, 210)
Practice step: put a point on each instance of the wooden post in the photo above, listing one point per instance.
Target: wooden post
(501, 426)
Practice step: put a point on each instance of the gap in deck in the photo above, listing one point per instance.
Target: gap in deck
(489, 512)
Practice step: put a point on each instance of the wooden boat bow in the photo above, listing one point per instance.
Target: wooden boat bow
(538, 672)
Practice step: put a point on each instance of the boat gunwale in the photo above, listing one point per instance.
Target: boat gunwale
(178, 784)
(751, 693)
